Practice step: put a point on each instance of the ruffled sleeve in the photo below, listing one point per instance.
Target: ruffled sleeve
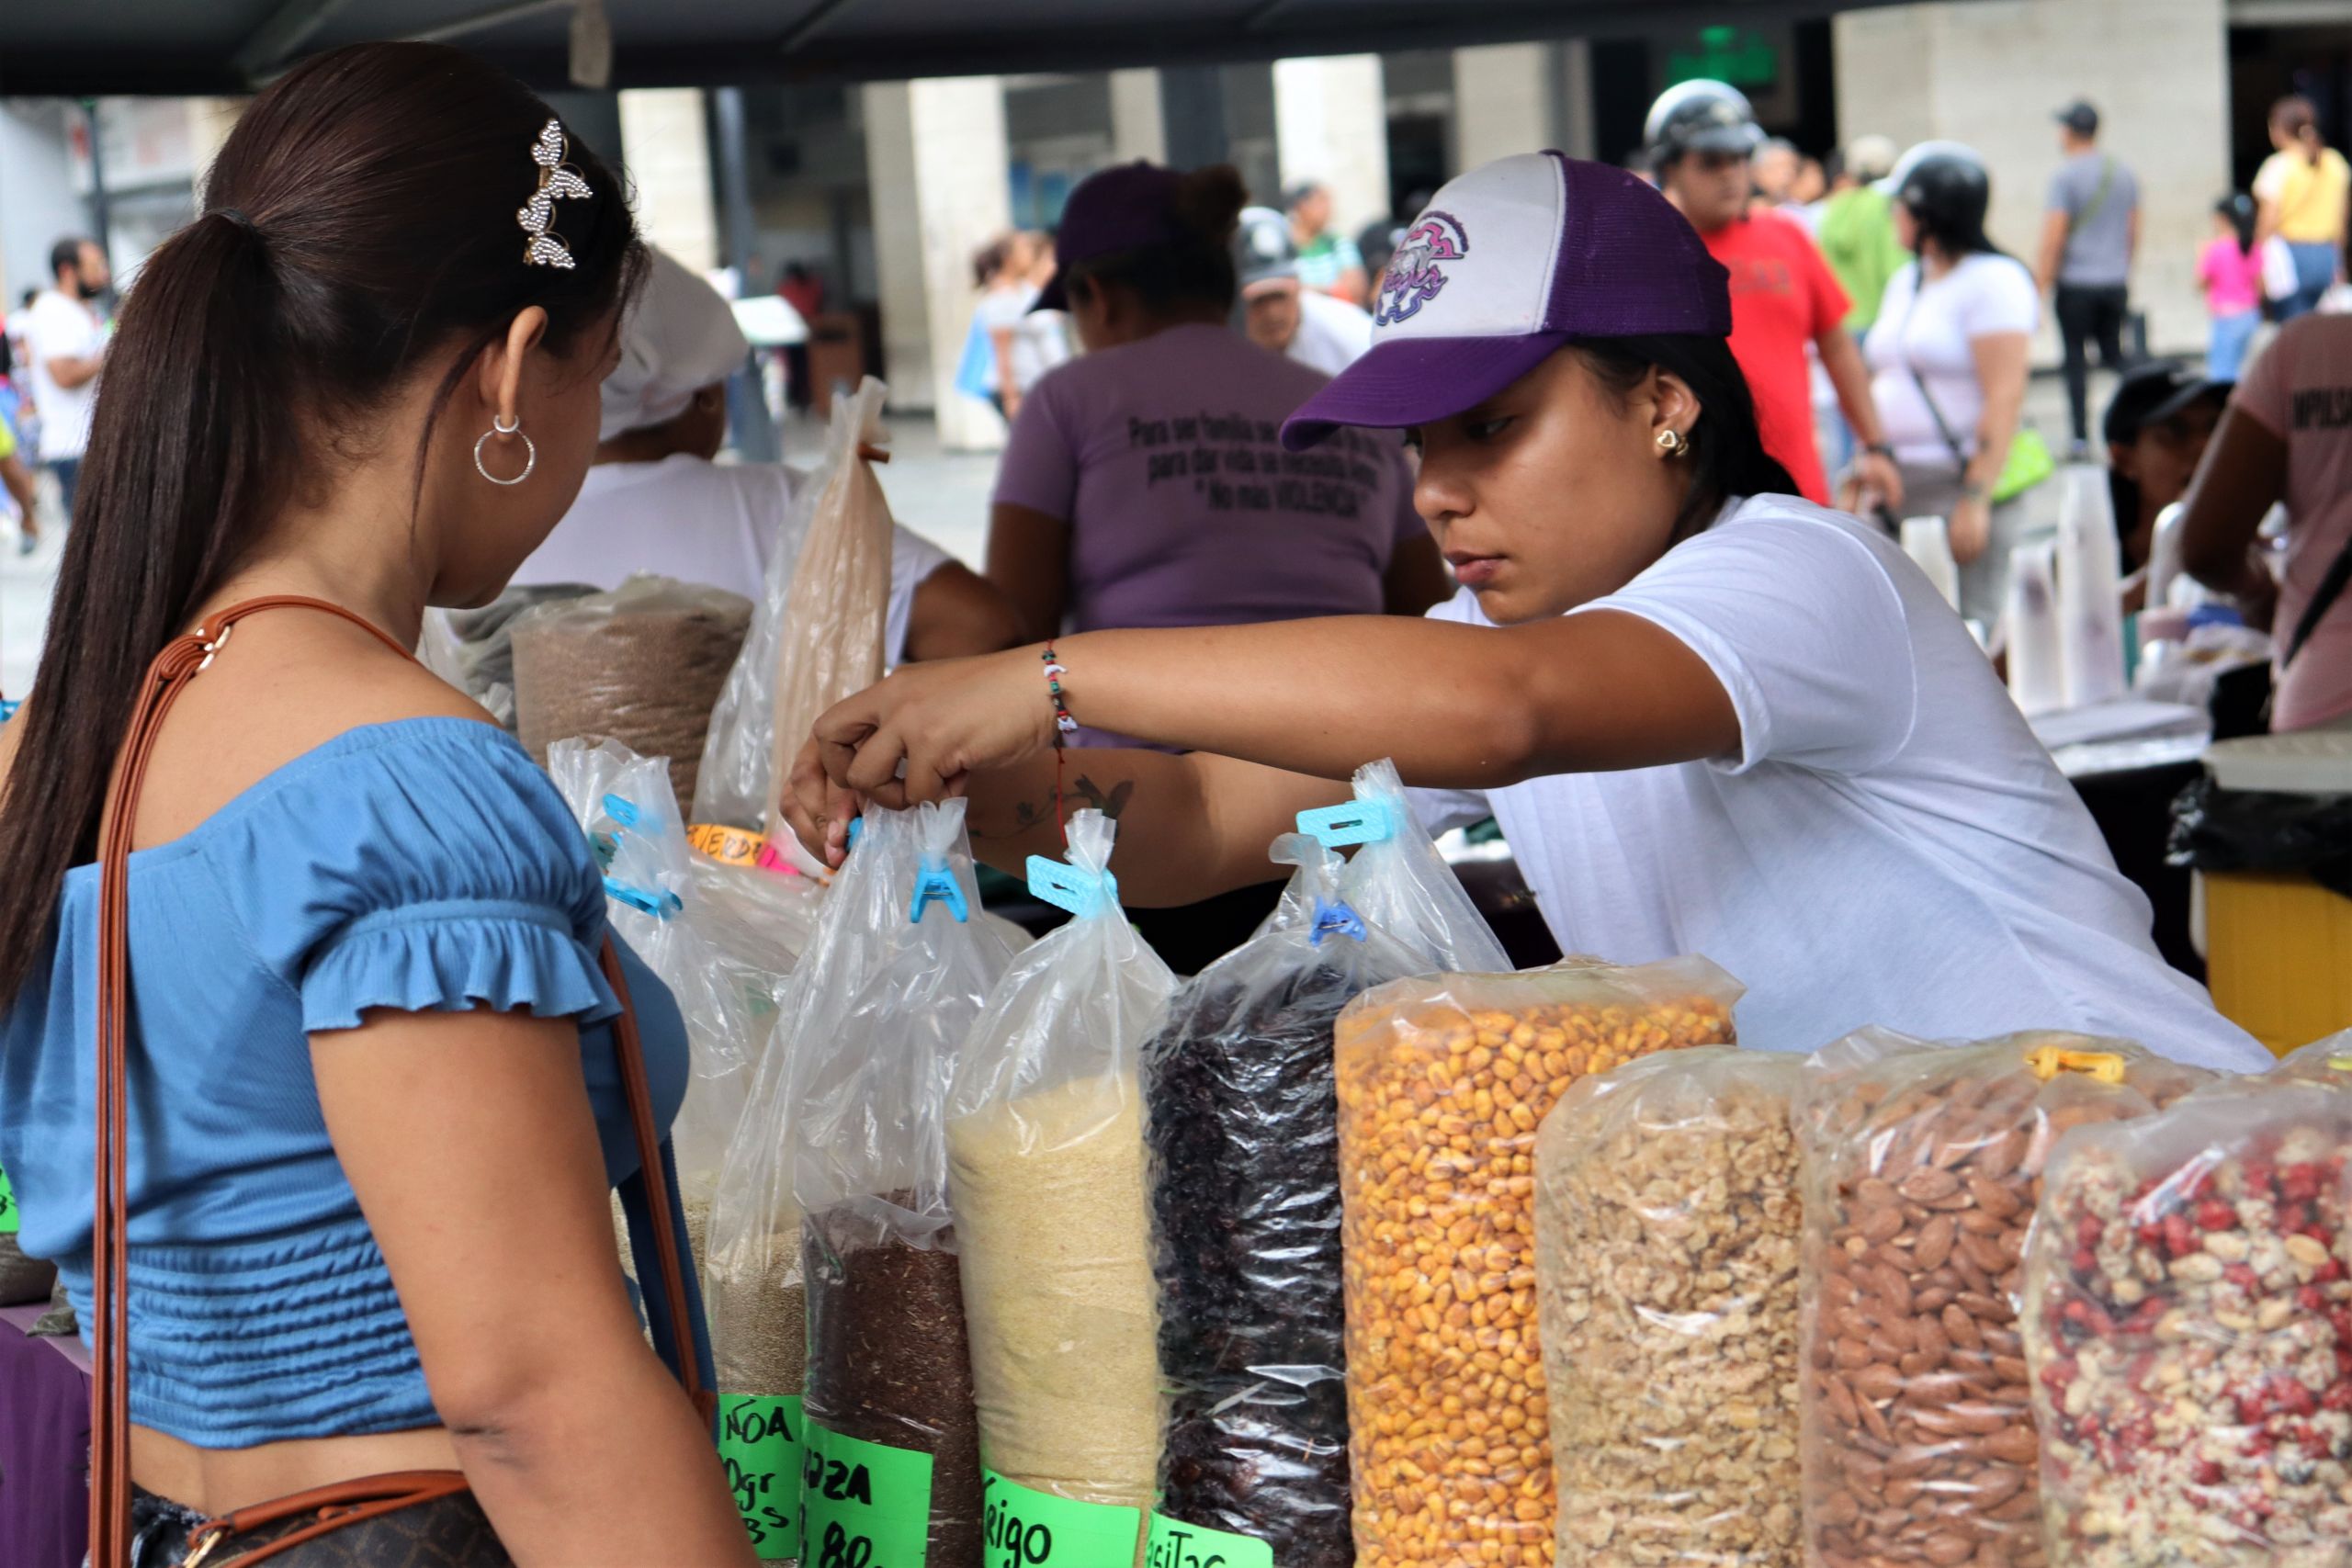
(423, 866)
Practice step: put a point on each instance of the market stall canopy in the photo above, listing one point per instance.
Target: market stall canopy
(231, 46)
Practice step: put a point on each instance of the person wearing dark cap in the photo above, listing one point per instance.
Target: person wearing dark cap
(2157, 427)
(1784, 297)
(2090, 232)
(1144, 484)
(1711, 716)
(1279, 313)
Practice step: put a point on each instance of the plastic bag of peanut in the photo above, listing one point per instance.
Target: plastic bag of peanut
(2189, 1321)
(1923, 1163)
(1666, 1223)
(1442, 1081)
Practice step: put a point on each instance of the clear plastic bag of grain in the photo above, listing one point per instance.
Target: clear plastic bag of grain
(2189, 1323)
(1668, 1217)
(1046, 1172)
(724, 940)
(1441, 1084)
(1923, 1164)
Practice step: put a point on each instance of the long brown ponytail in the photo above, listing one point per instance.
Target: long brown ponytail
(361, 219)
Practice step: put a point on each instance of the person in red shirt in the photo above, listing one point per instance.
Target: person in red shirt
(1783, 295)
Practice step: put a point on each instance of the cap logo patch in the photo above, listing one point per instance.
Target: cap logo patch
(1414, 276)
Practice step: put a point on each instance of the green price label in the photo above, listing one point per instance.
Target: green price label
(7, 1206)
(862, 1505)
(1177, 1545)
(1028, 1529)
(759, 1439)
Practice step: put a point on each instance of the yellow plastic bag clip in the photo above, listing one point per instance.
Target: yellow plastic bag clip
(2048, 1061)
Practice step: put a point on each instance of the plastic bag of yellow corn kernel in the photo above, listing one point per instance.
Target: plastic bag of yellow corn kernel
(1442, 1081)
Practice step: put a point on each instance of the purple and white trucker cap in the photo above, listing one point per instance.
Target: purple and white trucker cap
(1507, 264)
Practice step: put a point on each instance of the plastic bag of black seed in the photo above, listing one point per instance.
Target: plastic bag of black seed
(1241, 1120)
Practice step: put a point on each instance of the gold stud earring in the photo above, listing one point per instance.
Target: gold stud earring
(1672, 441)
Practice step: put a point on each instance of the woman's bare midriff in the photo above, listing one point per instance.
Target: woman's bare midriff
(217, 1481)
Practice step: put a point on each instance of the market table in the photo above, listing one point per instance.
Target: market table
(44, 1444)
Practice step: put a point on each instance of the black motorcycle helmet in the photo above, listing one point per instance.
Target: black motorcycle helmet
(1946, 188)
(1701, 116)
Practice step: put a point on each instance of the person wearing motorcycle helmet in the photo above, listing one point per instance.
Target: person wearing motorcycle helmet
(1948, 355)
(1783, 296)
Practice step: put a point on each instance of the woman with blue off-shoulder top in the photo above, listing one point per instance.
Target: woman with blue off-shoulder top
(376, 1073)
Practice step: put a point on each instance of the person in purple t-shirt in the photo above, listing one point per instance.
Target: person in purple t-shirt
(1146, 484)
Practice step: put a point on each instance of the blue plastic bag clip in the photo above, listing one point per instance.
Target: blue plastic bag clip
(1334, 919)
(1065, 887)
(623, 811)
(662, 906)
(1355, 822)
(935, 883)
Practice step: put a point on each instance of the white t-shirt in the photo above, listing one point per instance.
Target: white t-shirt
(1891, 846)
(1005, 310)
(60, 328)
(1040, 343)
(702, 521)
(1332, 334)
(1934, 329)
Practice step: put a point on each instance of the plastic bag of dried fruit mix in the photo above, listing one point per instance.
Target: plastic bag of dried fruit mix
(1045, 1170)
(1922, 1162)
(1243, 1121)
(847, 1125)
(2189, 1321)
(2327, 1061)
(1667, 1218)
(1441, 1084)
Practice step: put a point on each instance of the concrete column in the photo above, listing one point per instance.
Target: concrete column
(210, 120)
(1502, 102)
(2157, 69)
(1573, 121)
(935, 160)
(1139, 128)
(1331, 127)
(665, 144)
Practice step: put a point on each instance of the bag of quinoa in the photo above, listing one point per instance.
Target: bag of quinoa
(847, 1127)
(1923, 1161)
(724, 954)
(2189, 1323)
(22, 1279)
(1243, 1122)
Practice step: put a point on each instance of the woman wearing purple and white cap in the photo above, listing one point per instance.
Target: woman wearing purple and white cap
(1711, 716)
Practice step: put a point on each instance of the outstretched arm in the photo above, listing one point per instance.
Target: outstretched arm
(1459, 706)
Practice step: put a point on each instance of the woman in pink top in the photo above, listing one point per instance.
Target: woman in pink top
(2230, 272)
(2287, 436)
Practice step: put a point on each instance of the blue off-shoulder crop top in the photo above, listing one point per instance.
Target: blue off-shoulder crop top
(424, 864)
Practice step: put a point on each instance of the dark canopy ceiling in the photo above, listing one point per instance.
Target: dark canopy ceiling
(227, 46)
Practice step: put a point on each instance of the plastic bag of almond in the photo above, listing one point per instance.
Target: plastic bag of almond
(1923, 1164)
(2189, 1321)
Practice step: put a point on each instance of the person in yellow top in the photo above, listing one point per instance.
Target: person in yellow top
(2305, 191)
(19, 480)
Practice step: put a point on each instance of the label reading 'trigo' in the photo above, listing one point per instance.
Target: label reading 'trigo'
(1028, 1529)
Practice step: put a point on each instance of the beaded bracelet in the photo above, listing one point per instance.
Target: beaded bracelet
(1064, 725)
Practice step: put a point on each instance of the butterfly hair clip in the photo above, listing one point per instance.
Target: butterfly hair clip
(557, 178)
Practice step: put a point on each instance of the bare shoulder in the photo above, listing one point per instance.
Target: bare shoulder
(283, 686)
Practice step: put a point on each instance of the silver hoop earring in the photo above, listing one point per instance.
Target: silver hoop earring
(499, 427)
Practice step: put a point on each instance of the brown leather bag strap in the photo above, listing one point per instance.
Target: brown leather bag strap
(182, 659)
(336, 1506)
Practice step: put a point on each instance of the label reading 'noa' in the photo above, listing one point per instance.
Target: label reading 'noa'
(1028, 1529)
(759, 1440)
(862, 1505)
(1175, 1544)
